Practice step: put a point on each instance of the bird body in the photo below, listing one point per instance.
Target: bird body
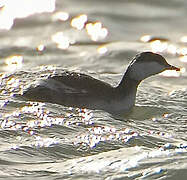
(83, 91)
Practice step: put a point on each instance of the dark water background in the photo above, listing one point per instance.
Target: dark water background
(49, 141)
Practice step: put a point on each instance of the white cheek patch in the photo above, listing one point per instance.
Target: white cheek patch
(140, 71)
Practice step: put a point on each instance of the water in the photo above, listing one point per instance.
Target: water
(49, 141)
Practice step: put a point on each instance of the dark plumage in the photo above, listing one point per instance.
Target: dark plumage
(80, 90)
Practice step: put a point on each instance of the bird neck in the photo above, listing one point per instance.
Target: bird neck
(128, 86)
(125, 94)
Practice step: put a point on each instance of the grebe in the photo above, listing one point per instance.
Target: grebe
(83, 91)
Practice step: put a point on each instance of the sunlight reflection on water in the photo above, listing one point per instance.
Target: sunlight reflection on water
(14, 62)
(170, 73)
(62, 41)
(21, 9)
(96, 31)
(78, 22)
(183, 39)
(164, 45)
(62, 16)
(102, 49)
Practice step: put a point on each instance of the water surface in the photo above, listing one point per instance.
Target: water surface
(99, 38)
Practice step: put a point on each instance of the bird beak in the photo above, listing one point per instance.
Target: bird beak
(170, 67)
